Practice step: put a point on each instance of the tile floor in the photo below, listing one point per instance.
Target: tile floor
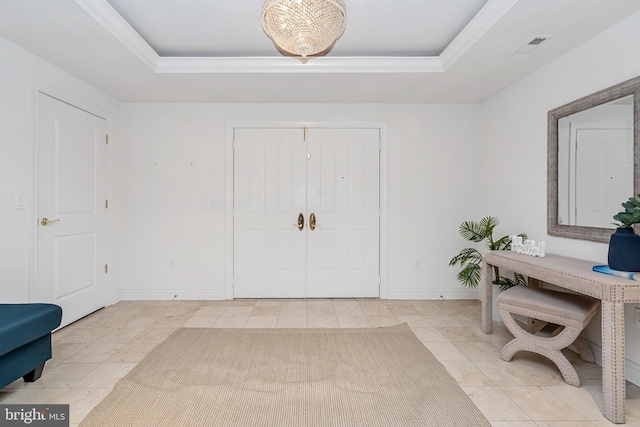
(90, 355)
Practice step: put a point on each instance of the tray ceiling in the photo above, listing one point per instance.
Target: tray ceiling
(232, 28)
(215, 50)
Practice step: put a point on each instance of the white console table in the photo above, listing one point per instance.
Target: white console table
(577, 275)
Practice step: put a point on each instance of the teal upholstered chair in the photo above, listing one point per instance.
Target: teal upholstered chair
(25, 340)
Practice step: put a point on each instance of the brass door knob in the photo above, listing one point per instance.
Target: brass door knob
(312, 221)
(300, 221)
(47, 221)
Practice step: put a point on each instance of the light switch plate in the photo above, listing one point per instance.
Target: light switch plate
(19, 202)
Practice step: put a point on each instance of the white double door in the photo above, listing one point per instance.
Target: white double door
(72, 212)
(306, 213)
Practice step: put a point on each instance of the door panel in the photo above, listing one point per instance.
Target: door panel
(75, 168)
(269, 250)
(72, 186)
(343, 256)
(74, 260)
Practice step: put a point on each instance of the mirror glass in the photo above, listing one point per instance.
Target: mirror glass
(595, 163)
(592, 162)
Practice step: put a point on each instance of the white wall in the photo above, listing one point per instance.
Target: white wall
(438, 177)
(21, 75)
(161, 202)
(515, 129)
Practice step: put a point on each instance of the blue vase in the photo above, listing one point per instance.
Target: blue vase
(624, 250)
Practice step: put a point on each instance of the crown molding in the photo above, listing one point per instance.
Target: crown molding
(111, 20)
(296, 65)
(486, 18)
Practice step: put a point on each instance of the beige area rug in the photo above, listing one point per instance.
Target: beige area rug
(370, 377)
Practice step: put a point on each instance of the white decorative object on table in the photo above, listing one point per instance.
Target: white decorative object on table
(528, 247)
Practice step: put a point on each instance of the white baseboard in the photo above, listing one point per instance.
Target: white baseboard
(434, 295)
(632, 372)
(133, 295)
(632, 369)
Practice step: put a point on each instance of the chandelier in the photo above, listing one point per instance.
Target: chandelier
(304, 27)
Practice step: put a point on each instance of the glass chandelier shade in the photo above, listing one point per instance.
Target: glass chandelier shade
(304, 27)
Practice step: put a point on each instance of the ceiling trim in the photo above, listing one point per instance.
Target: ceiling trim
(486, 18)
(296, 65)
(113, 22)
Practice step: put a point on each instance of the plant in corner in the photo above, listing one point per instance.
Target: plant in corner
(470, 259)
(624, 246)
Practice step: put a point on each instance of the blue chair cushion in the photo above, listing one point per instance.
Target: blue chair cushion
(22, 323)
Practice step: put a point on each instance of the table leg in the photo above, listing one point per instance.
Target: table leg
(486, 298)
(613, 375)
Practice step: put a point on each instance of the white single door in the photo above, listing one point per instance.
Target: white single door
(306, 213)
(604, 175)
(72, 215)
(343, 196)
(269, 187)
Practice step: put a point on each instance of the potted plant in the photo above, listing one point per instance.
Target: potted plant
(470, 259)
(624, 245)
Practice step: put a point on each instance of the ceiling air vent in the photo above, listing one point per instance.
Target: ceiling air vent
(532, 44)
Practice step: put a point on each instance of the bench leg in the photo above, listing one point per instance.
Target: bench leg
(579, 346)
(34, 375)
(547, 347)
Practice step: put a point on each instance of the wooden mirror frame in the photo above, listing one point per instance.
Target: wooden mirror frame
(629, 87)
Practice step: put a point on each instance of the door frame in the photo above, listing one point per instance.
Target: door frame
(34, 196)
(260, 124)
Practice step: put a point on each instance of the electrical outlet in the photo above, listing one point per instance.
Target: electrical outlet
(416, 263)
(171, 265)
(636, 315)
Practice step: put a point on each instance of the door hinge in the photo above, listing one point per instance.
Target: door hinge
(304, 137)
(107, 139)
(106, 204)
(106, 268)
(379, 281)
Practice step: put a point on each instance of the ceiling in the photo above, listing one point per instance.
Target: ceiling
(427, 51)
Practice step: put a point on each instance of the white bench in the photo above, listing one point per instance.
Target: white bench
(571, 312)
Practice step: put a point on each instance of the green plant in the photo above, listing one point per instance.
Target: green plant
(470, 259)
(630, 215)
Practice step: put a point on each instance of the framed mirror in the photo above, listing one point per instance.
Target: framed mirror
(592, 161)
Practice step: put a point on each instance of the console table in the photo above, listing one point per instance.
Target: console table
(577, 275)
